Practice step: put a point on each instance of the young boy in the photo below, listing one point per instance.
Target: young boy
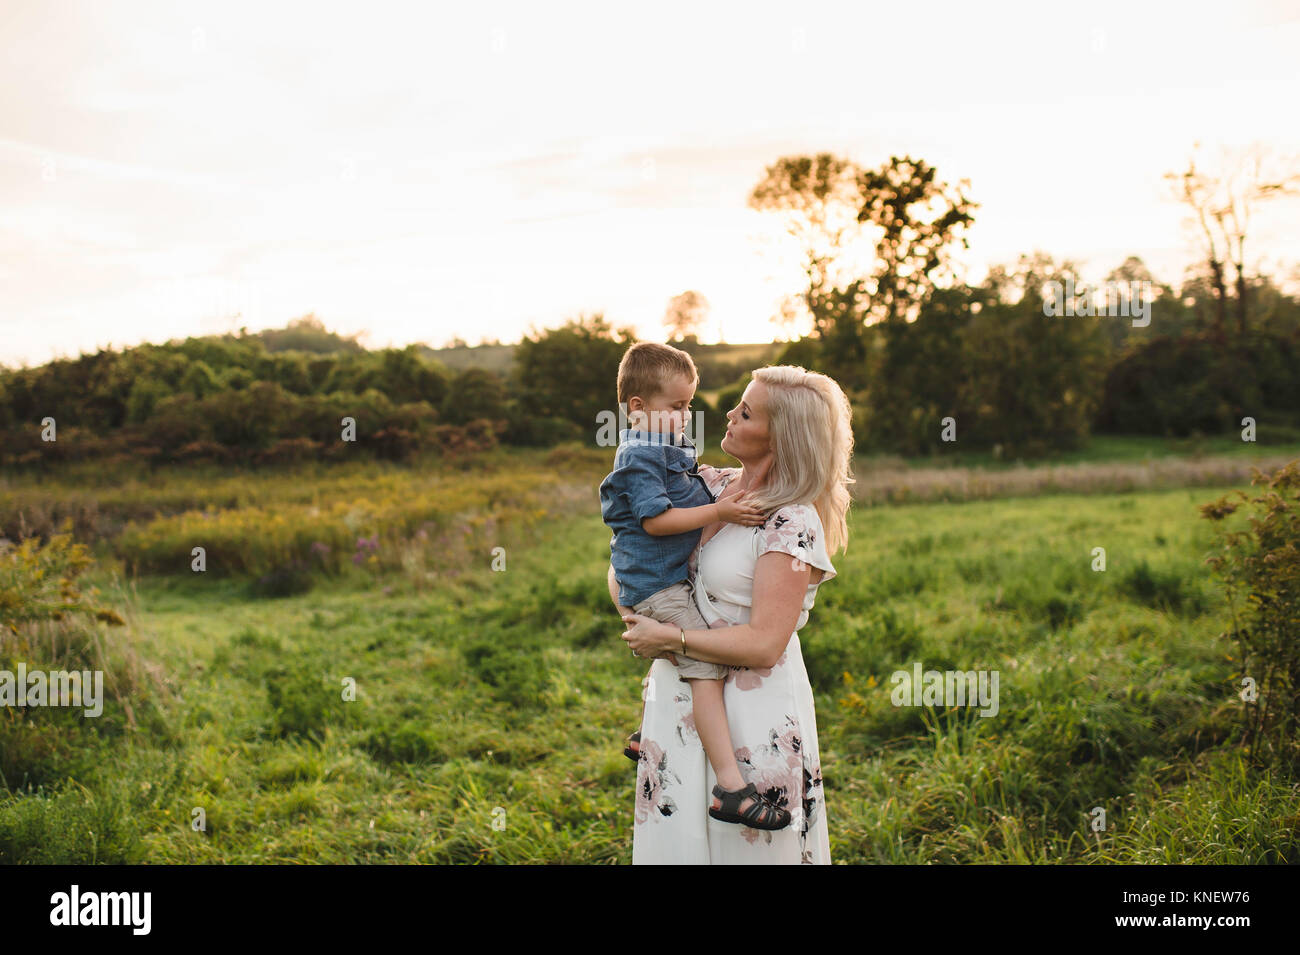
(656, 504)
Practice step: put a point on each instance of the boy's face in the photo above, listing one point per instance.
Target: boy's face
(667, 411)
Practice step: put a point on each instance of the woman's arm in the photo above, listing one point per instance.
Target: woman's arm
(780, 583)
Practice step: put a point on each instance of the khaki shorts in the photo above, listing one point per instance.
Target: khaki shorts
(676, 605)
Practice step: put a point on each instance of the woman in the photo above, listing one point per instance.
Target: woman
(755, 585)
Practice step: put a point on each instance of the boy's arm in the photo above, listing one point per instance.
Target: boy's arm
(679, 520)
(640, 481)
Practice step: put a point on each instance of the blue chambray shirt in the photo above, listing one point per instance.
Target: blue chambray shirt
(652, 472)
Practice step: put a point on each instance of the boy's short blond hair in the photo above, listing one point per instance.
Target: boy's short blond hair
(646, 368)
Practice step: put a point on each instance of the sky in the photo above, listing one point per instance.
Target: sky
(419, 172)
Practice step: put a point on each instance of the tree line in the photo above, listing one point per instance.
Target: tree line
(285, 394)
(914, 344)
(888, 316)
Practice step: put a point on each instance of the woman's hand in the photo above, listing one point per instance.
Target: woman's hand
(649, 638)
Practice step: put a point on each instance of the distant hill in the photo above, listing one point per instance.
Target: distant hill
(719, 364)
(498, 358)
(307, 334)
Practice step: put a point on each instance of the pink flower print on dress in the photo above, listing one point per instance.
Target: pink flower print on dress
(786, 534)
(778, 785)
(789, 744)
(751, 678)
(651, 782)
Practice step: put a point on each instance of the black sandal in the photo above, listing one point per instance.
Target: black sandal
(761, 814)
(629, 752)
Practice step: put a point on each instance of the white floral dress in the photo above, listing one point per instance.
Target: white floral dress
(769, 711)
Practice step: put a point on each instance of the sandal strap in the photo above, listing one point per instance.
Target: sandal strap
(731, 800)
(760, 810)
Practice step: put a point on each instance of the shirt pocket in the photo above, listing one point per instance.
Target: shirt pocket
(679, 479)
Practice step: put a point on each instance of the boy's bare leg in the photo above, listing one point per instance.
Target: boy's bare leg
(715, 734)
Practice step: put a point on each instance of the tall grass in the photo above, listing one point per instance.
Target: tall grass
(48, 621)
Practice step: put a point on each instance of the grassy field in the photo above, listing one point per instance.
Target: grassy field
(1112, 449)
(491, 704)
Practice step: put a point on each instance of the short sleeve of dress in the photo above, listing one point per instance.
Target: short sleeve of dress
(796, 529)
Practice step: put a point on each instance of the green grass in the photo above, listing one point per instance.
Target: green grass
(505, 696)
(1104, 448)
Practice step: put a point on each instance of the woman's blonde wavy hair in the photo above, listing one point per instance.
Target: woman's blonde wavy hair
(810, 426)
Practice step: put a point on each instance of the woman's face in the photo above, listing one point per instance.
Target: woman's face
(747, 437)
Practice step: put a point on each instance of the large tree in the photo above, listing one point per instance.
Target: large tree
(817, 201)
(874, 243)
(1222, 193)
(919, 219)
(686, 315)
(570, 372)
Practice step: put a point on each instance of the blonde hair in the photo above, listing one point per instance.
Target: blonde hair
(647, 366)
(810, 426)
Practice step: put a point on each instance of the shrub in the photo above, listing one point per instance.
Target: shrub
(474, 393)
(1198, 383)
(526, 429)
(295, 577)
(289, 451)
(569, 373)
(729, 397)
(47, 622)
(1262, 565)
